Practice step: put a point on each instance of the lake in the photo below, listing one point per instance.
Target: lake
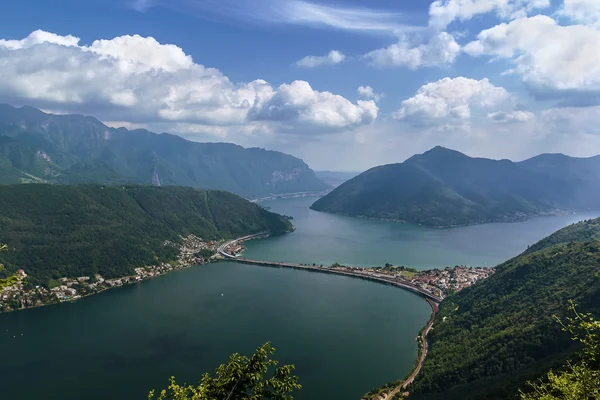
(345, 336)
(327, 238)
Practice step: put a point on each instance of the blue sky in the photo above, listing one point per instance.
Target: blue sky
(494, 78)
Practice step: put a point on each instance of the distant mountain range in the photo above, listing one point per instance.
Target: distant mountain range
(40, 147)
(491, 338)
(443, 187)
(335, 178)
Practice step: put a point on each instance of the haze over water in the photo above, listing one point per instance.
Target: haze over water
(346, 336)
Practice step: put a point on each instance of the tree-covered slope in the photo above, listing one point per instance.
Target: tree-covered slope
(443, 187)
(491, 338)
(55, 231)
(78, 149)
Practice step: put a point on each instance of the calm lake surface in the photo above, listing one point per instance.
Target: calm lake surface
(345, 336)
(327, 238)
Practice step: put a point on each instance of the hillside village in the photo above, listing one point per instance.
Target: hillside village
(192, 251)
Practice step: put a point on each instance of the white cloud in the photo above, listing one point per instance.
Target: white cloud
(553, 60)
(332, 58)
(292, 12)
(443, 12)
(368, 93)
(582, 11)
(139, 80)
(452, 100)
(299, 102)
(441, 49)
(37, 37)
(141, 54)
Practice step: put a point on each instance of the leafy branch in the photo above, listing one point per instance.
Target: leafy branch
(577, 381)
(241, 378)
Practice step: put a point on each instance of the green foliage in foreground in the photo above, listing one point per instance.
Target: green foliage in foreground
(579, 380)
(242, 378)
(81, 230)
(491, 338)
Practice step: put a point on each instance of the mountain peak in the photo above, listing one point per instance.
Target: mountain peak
(438, 153)
(442, 150)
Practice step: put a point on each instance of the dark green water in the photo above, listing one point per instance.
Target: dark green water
(346, 336)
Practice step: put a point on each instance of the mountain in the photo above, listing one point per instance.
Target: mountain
(443, 187)
(40, 147)
(55, 231)
(489, 339)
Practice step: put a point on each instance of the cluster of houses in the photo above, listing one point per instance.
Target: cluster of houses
(449, 279)
(438, 282)
(69, 289)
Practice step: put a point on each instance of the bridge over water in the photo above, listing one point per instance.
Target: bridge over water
(358, 274)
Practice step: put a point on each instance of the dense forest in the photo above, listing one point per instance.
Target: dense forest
(489, 339)
(443, 187)
(54, 231)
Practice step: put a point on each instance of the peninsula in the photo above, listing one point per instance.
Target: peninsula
(446, 188)
(68, 241)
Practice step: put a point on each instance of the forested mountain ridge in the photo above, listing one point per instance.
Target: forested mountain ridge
(489, 339)
(40, 147)
(443, 187)
(58, 231)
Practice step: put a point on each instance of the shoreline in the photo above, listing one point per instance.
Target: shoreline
(186, 258)
(221, 255)
(422, 343)
(486, 222)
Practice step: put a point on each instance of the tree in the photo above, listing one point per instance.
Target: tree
(3, 247)
(242, 378)
(580, 380)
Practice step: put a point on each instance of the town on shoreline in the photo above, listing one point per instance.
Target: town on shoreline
(437, 283)
(195, 251)
(192, 251)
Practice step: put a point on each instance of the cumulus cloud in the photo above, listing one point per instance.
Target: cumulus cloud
(582, 11)
(441, 49)
(367, 92)
(138, 79)
(452, 99)
(299, 102)
(332, 58)
(37, 37)
(443, 12)
(553, 60)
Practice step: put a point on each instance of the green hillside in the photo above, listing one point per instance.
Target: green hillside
(444, 188)
(35, 146)
(491, 338)
(55, 231)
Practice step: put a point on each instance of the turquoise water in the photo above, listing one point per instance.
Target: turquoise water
(326, 238)
(345, 336)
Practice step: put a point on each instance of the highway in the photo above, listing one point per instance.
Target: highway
(432, 299)
(357, 274)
